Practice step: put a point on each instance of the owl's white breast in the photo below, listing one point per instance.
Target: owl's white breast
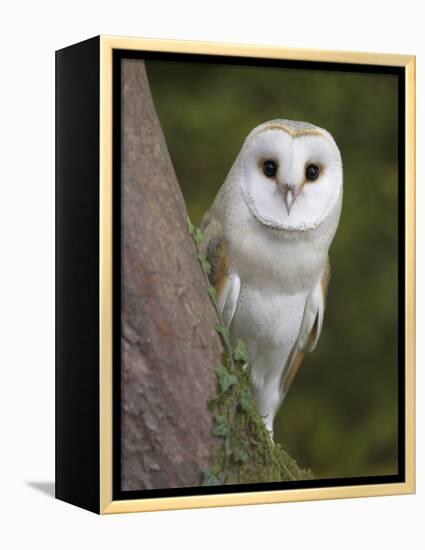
(287, 262)
(269, 321)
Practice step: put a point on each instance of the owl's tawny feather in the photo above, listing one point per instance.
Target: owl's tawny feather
(226, 283)
(297, 355)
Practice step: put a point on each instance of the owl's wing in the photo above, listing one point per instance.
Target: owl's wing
(311, 327)
(226, 283)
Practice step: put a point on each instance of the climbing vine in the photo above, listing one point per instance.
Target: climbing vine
(246, 452)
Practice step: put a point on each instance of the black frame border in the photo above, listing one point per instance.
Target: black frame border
(400, 477)
(77, 156)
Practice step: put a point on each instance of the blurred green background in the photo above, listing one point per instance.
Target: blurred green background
(340, 417)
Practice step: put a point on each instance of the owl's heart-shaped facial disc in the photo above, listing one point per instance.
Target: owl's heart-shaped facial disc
(291, 174)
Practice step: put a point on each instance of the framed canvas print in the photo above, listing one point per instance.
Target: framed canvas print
(235, 274)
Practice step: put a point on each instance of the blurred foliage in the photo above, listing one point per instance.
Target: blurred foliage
(340, 417)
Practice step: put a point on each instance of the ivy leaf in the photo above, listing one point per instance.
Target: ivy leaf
(198, 235)
(190, 227)
(209, 478)
(224, 333)
(245, 401)
(225, 379)
(220, 427)
(205, 265)
(240, 353)
(212, 294)
(239, 454)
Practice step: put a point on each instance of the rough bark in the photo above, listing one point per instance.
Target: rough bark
(169, 346)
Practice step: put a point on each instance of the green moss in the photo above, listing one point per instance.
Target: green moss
(248, 455)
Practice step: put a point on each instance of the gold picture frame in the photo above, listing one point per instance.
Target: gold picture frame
(106, 47)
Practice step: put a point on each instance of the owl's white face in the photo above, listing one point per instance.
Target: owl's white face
(291, 175)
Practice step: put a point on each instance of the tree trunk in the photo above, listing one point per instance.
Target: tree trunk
(169, 346)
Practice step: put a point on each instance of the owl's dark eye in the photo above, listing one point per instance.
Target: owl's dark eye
(312, 172)
(269, 168)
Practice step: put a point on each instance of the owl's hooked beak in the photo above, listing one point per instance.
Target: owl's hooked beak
(289, 193)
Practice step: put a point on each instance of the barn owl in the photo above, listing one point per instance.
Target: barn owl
(267, 238)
